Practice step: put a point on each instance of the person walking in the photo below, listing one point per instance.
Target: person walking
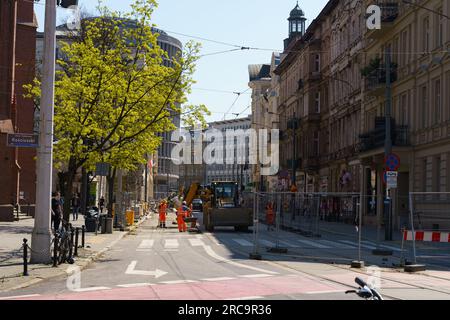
(101, 204)
(56, 210)
(181, 214)
(75, 206)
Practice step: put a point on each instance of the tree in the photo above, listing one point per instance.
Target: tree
(115, 91)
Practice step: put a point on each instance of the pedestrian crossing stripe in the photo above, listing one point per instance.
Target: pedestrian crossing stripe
(267, 243)
(382, 246)
(146, 244)
(338, 244)
(171, 244)
(196, 242)
(243, 242)
(367, 246)
(314, 244)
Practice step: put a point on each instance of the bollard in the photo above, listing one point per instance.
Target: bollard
(83, 230)
(55, 251)
(25, 257)
(77, 230)
(71, 243)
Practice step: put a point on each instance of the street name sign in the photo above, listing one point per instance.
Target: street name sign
(23, 140)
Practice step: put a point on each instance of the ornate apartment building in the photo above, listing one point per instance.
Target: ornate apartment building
(332, 101)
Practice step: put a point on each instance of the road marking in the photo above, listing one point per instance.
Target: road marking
(243, 242)
(382, 245)
(218, 279)
(338, 244)
(91, 289)
(326, 291)
(20, 297)
(256, 276)
(214, 255)
(146, 244)
(170, 250)
(247, 298)
(267, 243)
(196, 242)
(314, 244)
(362, 245)
(156, 273)
(171, 244)
(178, 281)
(289, 244)
(136, 285)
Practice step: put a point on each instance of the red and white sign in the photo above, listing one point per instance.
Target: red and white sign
(427, 236)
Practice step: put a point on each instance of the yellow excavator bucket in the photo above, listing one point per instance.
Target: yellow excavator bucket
(192, 193)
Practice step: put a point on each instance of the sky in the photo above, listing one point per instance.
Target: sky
(248, 23)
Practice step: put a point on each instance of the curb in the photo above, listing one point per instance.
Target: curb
(84, 263)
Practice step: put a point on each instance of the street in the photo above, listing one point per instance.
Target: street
(163, 264)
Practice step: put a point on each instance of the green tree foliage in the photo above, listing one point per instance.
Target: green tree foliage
(116, 90)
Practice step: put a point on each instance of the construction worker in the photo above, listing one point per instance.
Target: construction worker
(162, 214)
(181, 214)
(269, 216)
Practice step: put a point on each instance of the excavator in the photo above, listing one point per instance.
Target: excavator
(223, 207)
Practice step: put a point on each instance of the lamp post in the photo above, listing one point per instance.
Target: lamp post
(41, 237)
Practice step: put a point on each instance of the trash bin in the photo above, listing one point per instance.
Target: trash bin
(102, 223)
(90, 224)
(107, 226)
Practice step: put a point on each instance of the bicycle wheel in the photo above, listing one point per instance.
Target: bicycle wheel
(63, 250)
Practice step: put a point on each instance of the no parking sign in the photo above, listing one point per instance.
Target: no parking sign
(392, 162)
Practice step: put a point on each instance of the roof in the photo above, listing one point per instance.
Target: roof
(297, 13)
(259, 71)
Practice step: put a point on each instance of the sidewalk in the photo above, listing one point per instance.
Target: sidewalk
(11, 253)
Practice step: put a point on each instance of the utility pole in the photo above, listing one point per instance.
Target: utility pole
(41, 237)
(388, 145)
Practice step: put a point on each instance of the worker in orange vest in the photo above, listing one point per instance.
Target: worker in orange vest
(182, 213)
(269, 216)
(162, 214)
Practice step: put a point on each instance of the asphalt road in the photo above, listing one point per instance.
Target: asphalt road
(164, 264)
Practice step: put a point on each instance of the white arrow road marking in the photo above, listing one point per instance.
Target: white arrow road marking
(131, 270)
(214, 255)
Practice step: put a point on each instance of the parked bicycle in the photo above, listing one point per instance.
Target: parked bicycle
(365, 291)
(65, 244)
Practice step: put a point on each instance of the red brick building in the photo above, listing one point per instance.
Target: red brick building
(17, 66)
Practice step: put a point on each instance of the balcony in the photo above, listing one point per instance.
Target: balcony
(376, 138)
(389, 13)
(375, 79)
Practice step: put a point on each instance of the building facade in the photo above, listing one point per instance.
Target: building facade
(17, 63)
(235, 172)
(333, 102)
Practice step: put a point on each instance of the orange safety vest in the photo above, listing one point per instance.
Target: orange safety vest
(162, 212)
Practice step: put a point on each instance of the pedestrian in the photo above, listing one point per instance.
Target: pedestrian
(56, 210)
(75, 206)
(162, 214)
(181, 214)
(101, 204)
(269, 216)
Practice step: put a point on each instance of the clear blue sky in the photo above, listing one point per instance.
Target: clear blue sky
(250, 23)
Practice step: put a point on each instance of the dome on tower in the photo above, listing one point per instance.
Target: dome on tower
(297, 13)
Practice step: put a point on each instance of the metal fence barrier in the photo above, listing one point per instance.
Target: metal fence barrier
(429, 221)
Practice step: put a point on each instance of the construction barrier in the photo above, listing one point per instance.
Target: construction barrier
(426, 236)
(130, 217)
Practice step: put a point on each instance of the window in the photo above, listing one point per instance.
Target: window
(317, 63)
(317, 103)
(437, 102)
(437, 174)
(316, 144)
(424, 107)
(439, 28)
(426, 34)
(403, 117)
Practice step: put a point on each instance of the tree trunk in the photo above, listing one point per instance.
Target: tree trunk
(84, 192)
(111, 182)
(65, 183)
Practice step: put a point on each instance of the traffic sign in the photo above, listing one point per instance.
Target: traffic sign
(23, 140)
(393, 162)
(391, 179)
